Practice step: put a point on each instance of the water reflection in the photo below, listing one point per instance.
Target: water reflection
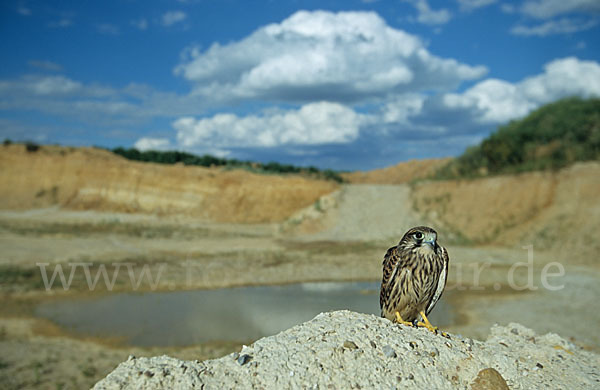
(232, 314)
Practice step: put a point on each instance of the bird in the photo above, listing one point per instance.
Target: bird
(414, 277)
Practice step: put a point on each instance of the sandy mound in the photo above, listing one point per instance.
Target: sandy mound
(350, 350)
(87, 178)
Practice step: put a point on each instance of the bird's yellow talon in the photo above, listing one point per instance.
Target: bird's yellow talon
(429, 327)
(426, 324)
(401, 321)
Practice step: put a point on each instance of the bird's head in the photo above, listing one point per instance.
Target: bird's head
(420, 238)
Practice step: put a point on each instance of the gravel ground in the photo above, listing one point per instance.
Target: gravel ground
(349, 350)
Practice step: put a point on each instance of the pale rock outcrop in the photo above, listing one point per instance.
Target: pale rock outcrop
(344, 350)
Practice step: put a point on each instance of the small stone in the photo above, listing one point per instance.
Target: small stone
(243, 359)
(149, 374)
(489, 379)
(131, 357)
(469, 347)
(235, 355)
(411, 376)
(514, 331)
(539, 365)
(350, 344)
(389, 351)
(373, 344)
(413, 344)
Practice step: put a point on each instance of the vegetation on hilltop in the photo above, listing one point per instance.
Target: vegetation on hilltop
(174, 157)
(553, 136)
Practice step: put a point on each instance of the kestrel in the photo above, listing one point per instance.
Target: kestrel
(414, 277)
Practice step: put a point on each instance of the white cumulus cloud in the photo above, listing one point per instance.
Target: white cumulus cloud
(315, 123)
(497, 101)
(147, 143)
(561, 78)
(310, 56)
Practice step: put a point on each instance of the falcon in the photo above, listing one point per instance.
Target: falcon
(414, 277)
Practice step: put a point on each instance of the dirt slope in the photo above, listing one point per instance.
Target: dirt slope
(401, 173)
(359, 212)
(86, 178)
(559, 210)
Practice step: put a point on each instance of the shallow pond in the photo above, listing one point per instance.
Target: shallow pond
(231, 314)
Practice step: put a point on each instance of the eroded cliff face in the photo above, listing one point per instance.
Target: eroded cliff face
(547, 209)
(88, 178)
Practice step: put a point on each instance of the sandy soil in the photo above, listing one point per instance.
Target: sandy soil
(36, 353)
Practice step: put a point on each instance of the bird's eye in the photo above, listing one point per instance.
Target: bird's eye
(419, 235)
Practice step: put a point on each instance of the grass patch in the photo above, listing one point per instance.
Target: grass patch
(89, 371)
(13, 275)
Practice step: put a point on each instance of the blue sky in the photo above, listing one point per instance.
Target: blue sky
(355, 84)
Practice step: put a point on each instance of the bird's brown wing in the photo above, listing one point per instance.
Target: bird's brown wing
(441, 283)
(390, 266)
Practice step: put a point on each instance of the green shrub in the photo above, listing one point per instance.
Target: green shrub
(31, 146)
(553, 136)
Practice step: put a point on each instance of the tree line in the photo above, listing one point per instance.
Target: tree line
(206, 160)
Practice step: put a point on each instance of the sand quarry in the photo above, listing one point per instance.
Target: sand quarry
(63, 205)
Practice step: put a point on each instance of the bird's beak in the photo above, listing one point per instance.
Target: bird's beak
(431, 243)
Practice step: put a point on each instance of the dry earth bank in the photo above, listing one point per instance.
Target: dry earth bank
(87, 178)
